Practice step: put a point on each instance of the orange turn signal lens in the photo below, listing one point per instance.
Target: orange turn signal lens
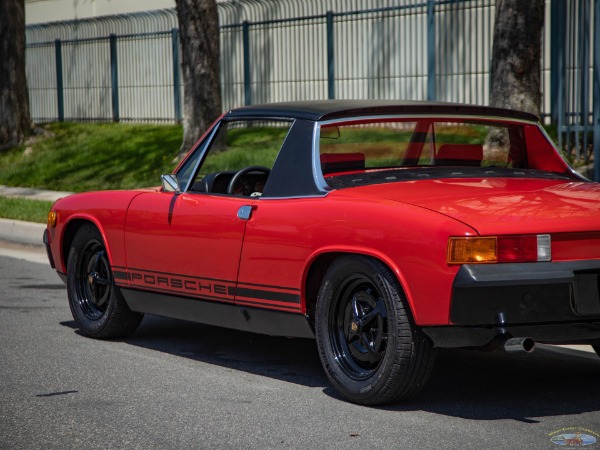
(52, 219)
(463, 250)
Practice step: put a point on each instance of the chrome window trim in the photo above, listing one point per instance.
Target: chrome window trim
(297, 197)
(316, 159)
(317, 171)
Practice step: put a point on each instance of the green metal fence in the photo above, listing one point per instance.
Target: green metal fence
(284, 50)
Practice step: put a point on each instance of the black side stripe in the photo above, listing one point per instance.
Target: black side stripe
(267, 295)
(118, 275)
(268, 286)
(255, 294)
(292, 309)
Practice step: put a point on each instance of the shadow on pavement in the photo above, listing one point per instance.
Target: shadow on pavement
(291, 360)
(466, 384)
(491, 386)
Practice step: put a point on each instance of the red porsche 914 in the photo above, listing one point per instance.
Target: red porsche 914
(382, 229)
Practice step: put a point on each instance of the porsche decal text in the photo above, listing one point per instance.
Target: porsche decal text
(209, 289)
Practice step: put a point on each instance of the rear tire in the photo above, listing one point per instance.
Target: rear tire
(96, 302)
(371, 351)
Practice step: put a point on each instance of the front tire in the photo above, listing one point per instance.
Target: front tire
(96, 302)
(371, 351)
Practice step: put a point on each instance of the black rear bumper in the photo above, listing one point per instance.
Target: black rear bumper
(552, 302)
(553, 333)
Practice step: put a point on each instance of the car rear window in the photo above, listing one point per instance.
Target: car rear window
(363, 145)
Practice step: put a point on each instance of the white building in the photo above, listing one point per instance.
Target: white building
(42, 11)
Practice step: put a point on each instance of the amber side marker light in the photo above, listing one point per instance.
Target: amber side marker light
(52, 219)
(499, 249)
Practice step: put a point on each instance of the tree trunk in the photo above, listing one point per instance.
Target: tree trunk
(199, 34)
(515, 80)
(15, 121)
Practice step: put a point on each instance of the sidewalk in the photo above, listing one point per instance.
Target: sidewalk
(32, 194)
(25, 233)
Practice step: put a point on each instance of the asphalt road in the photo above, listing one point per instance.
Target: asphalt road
(182, 385)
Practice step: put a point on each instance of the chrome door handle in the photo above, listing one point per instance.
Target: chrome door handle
(244, 212)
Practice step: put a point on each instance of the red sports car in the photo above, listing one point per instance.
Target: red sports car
(385, 230)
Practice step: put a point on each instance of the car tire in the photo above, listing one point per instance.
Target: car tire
(370, 349)
(96, 302)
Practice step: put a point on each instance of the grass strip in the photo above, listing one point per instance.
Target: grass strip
(24, 209)
(93, 156)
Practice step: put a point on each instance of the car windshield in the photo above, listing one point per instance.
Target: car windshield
(436, 146)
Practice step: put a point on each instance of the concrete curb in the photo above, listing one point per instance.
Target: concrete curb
(20, 232)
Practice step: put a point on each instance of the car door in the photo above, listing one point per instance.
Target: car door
(189, 243)
(185, 244)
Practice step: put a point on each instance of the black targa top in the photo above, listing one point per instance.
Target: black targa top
(339, 109)
(294, 173)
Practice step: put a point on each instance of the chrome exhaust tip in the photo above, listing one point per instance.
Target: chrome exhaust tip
(519, 344)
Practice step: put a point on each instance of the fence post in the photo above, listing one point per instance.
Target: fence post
(431, 90)
(596, 82)
(114, 77)
(585, 26)
(176, 83)
(330, 57)
(557, 64)
(246, 46)
(60, 101)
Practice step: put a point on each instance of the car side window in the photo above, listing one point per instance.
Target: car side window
(240, 157)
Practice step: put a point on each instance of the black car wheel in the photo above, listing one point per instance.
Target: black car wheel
(96, 303)
(369, 347)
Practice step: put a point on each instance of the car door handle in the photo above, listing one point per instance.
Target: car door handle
(244, 212)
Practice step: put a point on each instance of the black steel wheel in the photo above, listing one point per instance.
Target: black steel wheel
(358, 326)
(96, 302)
(371, 351)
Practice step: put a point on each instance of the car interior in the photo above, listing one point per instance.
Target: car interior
(250, 183)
